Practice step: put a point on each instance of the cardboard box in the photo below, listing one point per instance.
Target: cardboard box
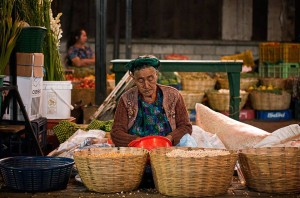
(28, 65)
(28, 71)
(30, 59)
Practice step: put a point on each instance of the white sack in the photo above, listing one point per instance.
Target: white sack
(79, 139)
(234, 134)
(286, 136)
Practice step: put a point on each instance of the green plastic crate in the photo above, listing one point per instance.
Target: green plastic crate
(281, 70)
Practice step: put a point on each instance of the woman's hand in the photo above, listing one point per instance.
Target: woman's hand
(83, 62)
(170, 137)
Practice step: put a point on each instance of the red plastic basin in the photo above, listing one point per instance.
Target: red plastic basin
(150, 142)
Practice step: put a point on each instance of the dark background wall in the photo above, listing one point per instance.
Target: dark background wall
(165, 19)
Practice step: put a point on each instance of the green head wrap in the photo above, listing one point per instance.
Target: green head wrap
(141, 62)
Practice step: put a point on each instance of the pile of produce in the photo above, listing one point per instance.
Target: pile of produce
(66, 129)
(82, 82)
(196, 153)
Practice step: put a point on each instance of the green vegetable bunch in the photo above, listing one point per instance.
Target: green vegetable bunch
(102, 125)
(64, 130)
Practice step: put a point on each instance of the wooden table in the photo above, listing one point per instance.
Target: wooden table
(233, 69)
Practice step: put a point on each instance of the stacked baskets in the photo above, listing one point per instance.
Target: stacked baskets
(191, 98)
(272, 169)
(194, 87)
(192, 176)
(245, 83)
(197, 81)
(265, 100)
(219, 100)
(275, 82)
(110, 170)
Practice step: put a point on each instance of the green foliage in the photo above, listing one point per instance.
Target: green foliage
(31, 11)
(39, 13)
(9, 32)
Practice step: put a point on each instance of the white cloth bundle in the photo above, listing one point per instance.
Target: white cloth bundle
(234, 134)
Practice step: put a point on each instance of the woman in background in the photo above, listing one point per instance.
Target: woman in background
(79, 55)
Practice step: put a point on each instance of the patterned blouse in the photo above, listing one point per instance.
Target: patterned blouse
(151, 118)
(73, 52)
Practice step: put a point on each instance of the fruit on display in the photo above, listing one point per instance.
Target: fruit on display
(82, 82)
(168, 78)
(265, 88)
(87, 82)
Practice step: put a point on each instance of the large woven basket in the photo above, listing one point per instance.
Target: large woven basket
(197, 81)
(275, 82)
(272, 169)
(191, 176)
(220, 101)
(261, 100)
(191, 98)
(110, 170)
(245, 83)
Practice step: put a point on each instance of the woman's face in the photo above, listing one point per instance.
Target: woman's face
(146, 81)
(83, 37)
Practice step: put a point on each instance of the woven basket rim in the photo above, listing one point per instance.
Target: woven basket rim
(109, 175)
(141, 151)
(271, 169)
(168, 170)
(261, 100)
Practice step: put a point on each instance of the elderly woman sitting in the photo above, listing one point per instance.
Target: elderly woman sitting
(149, 108)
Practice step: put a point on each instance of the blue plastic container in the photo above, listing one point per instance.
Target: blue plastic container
(274, 115)
(35, 174)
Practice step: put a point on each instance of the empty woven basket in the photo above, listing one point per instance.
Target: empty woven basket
(110, 170)
(272, 169)
(191, 176)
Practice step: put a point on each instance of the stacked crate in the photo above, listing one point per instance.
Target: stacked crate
(24, 144)
(279, 62)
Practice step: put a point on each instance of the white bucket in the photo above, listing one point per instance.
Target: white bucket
(56, 99)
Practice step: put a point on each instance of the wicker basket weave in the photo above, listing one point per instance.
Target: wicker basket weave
(220, 101)
(245, 83)
(270, 101)
(275, 82)
(111, 174)
(272, 169)
(191, 98)
(197, 81)
(191, 177)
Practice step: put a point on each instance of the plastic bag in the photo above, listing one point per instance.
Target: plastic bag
(187, 140)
